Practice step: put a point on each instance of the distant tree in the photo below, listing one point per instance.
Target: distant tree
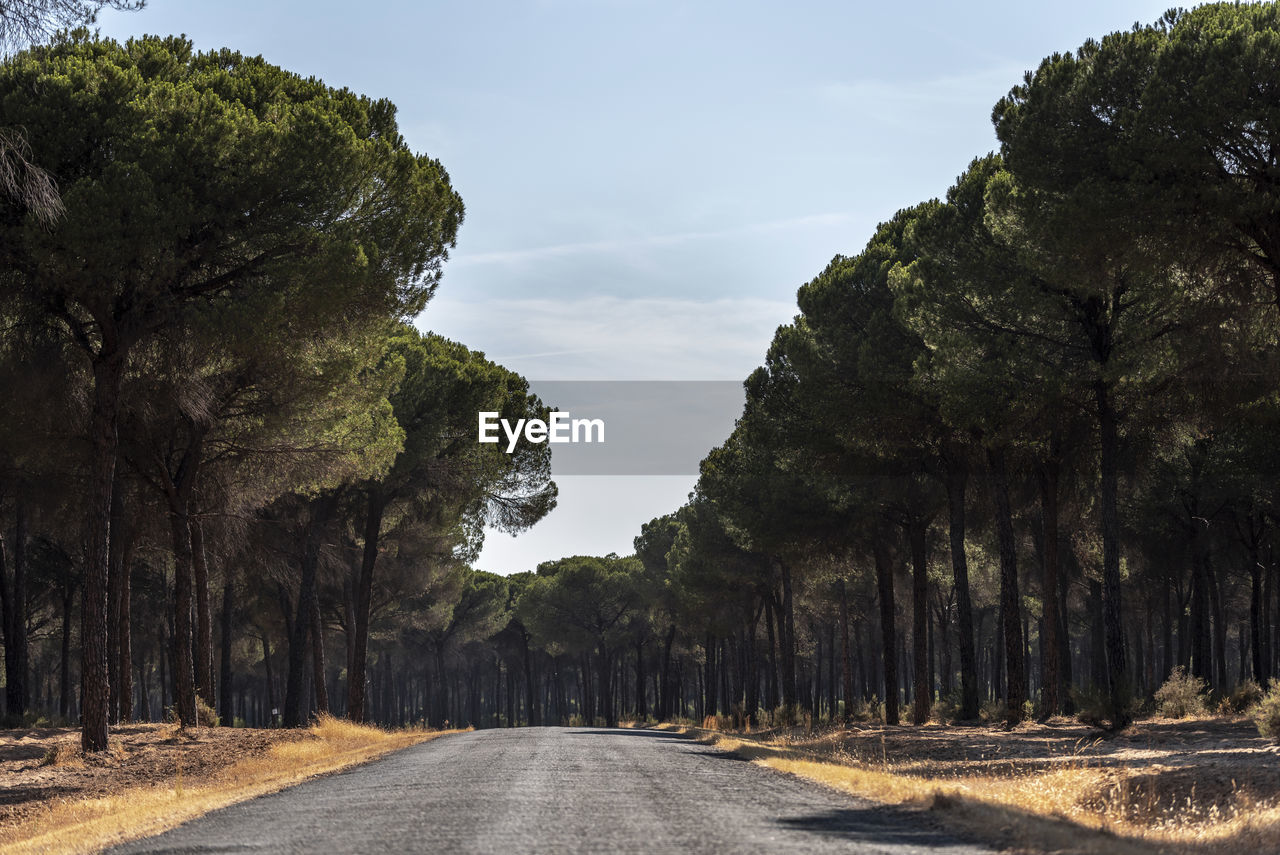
(1111, 295)
(965, 294)
(653, 549)
(586, 603)
(444, 386)
(719, 587)
(476, 613)
(839, 379)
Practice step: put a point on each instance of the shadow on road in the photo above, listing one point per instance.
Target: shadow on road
(718, 754)
(880, 824)
(629, 731)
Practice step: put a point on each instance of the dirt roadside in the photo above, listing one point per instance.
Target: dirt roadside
(42, 765)
(1195, 786)
(54, 799)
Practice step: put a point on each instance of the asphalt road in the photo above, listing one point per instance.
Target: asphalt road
(558, 790)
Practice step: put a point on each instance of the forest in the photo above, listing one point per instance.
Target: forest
(1016, 458)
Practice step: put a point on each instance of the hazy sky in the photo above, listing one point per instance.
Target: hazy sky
(647, 183)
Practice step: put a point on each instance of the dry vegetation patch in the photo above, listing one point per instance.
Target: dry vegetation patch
(1208, 785)
(153, 777)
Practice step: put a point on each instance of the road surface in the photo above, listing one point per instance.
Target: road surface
(558, 790)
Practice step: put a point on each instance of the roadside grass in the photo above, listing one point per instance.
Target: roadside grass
(91, 824)
(1073, 807)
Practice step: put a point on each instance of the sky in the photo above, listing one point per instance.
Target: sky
(647, 183)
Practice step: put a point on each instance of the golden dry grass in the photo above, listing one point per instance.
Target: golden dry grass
(1069, 807)
(92, 824)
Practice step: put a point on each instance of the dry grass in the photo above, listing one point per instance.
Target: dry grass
(91, 824)
(1067, 802)
(62, 754)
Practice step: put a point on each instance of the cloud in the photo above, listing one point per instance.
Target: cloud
(928, 108)
(615, 338)
(626, 245)
(979, 86)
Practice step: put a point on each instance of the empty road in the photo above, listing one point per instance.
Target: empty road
(558, 790)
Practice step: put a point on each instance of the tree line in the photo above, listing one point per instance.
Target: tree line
(213, 390)
(1013, 458)
(1016, 457)
(1029, 429)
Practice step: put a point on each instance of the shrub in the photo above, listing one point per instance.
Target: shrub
(1181, 695)
(717, 722)
(1266, 715)
(1242, 698)
(1093, 707)
(32, 719)
(784, 716)
(206, 716)
(992, 711)
(59, 753)
(947, 708)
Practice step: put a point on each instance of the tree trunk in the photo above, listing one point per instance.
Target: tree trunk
(270, 679)
(769, 613)
(1200, 644)
(846, 672)
(183, 660)
(957, 476)
(1064, 644)
(1050, 646)
(364, 598)
(1010, 599)
(225, 702)
(1268, 639)
(944, 630)
(1166, 661)
(181, 487)
(108, 372)
(318, 676)
(922, 692)
(64, 694)
(14, 612)
(439, 710)
(1097, 636)
(204, 617)
(642, 709)
(888, 631)
(530, 689)
(1255, 615)
(751, 712)
(115, 570)
(709, 682)
(1119, 686)
(832, 689)
(604, 692)
(666, 705)
(788, 640)
(294, 699)
(1219, 627)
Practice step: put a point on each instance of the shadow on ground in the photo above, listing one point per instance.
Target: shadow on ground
(635, 731)
(878, 824)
